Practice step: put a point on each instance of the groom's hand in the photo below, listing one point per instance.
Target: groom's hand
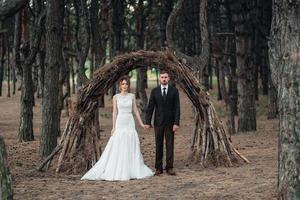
(175, 128)
(147, 126)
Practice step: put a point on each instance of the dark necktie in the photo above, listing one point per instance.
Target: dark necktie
(164, 93)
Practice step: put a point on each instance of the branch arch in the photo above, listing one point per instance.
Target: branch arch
(78, 145)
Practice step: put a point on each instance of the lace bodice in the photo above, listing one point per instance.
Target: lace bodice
(124, 103)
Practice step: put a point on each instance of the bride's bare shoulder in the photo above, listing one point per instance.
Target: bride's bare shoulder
(115, 96)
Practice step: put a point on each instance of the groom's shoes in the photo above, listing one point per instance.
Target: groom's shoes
(158, 172)
(171, 172)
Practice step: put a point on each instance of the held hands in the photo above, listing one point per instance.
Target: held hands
(175, 127)
(147, 126)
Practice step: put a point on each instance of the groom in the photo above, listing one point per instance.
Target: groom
(164, 99)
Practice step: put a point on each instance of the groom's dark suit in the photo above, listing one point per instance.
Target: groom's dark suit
(167, 113)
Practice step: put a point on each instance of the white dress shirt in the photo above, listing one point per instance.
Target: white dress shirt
(162, 90)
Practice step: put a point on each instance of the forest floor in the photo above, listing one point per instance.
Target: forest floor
(256, 180)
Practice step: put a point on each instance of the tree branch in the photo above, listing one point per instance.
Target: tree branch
(37, 39)
(169, 32)
(197, 62)
(9, 8)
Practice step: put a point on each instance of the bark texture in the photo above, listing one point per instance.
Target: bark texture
(27, 88)
(245, 67)
(6, 192)
(50, 114)
(272, 101)
(284, 55)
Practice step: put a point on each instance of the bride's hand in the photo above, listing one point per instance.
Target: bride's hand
(144, 126)
(112, 131)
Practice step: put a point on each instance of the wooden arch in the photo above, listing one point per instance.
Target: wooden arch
(79, 147)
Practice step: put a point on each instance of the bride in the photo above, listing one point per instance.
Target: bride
(121, 159)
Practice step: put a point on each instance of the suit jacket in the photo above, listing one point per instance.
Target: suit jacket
(167, 112)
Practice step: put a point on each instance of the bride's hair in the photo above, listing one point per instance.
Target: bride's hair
(124, 78)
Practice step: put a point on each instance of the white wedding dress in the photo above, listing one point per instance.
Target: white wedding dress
(121, 159)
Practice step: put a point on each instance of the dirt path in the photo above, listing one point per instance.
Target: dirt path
(256, 180)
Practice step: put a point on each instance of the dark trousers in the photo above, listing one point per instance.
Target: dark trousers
(160, 133)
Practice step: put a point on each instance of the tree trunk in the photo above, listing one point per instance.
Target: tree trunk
(41, 81)
(26, 115)
(256, 87)
(26, 103)
(166, 9)
(14, 78)
(118, 21)
(16, 48)
(66, 90)
(266, 17)
(27, 90)
(117, 41)
(8, 71)
(205, 78)
(256, 53)
(272, 101)
(232, 79)
(2, 54)
(233, 91)
(68, 59)
(218, 71)
(35, 78)
(264, 69)
(63, 74)
(246, 105)
(245, 67)
(6, 191)
(284, 61)
(67, 83)
(142, 73)
(99, 34)
(97, 43)
(54, 40)
(141, 15)
(82, 39)
(227, 98)
(211, 75)
(73, 76)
